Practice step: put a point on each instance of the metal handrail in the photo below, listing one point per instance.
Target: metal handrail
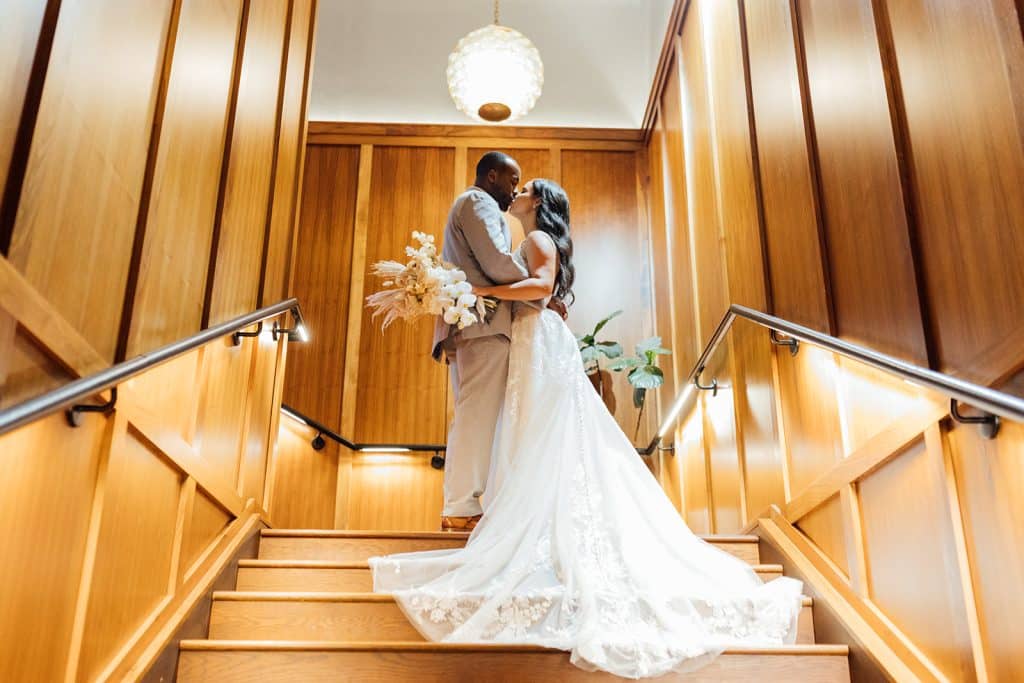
(995, 402)
(351, 445)
(437, 461)
(80, 389)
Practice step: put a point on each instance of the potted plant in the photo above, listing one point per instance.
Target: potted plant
(644, 373)
(592, 351)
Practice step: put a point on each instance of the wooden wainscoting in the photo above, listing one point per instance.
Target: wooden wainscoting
(907, 517)
(114, 529)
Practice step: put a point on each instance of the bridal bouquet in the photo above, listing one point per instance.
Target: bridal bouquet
(426, 285)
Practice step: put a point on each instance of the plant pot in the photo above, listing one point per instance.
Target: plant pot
(602, 383)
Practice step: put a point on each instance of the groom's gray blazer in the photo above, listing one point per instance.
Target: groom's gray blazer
(477, 240)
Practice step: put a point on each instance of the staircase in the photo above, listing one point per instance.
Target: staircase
(305, 611)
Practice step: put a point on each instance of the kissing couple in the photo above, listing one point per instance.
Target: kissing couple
(574, 545)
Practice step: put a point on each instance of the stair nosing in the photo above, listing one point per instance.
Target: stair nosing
(207, 645)
(331, 564)
(333, 596)
(303, 564)
(440, 535)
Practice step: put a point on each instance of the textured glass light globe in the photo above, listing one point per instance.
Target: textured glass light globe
(495, 74)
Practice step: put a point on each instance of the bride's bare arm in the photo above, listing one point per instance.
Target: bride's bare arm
(540, 250)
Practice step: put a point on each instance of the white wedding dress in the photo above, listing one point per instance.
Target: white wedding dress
(579, 549)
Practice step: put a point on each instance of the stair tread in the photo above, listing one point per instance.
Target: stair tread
(331, 564)
(441, 535)
(328, 596)
(385, 646)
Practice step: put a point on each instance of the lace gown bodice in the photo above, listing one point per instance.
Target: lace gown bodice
(579, 548)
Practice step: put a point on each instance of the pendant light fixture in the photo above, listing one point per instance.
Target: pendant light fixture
(495, 73)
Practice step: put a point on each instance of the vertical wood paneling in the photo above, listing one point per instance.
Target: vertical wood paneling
(132, 550)
(722, 444)
(257, 439)
(961, 71)
(323, 261)
(305, 481)
(44, 542)
(221, 392)
(734, 172)
(661, 261)
(413, 489)
(239, 248)
(19, 33)
(871, 269)
(610, 253)
(990, 479)
(698, 114)
(534, 163)
(809, 415)
(410, 190)
(690, 449)
(740, 221)
(168, 302)
(291, 145)
(913, 574)
(684, 341)
(792, 240)
(77, 215)
(755, 410)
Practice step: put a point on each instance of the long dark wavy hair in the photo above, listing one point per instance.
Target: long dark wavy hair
(553, 219)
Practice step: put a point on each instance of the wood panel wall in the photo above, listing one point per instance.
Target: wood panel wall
(149, 158)
(853, 167)
(367, 187)
(117, 528)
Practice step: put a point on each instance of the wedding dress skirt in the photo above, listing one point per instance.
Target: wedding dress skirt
(579, 549)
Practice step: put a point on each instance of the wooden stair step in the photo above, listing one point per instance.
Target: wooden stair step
(343, 577)
(358, 546)
(314, 662)
(350, 617)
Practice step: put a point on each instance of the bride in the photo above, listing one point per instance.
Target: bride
(579, 549)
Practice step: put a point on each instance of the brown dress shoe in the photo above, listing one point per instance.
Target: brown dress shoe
(459, 523)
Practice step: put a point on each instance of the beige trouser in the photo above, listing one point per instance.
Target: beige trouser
(479, 371)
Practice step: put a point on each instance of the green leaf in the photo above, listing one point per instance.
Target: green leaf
(625, 363)
(647, 345)
(605, 322)
(638, 397)
(587, 339)
(610, 349)
(590, 354)
(647, 377)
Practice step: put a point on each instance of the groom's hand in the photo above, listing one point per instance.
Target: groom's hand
(559, 307)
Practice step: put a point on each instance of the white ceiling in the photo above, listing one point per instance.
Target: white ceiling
(385, 60)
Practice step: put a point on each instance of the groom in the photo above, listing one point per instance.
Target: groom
(477, 240)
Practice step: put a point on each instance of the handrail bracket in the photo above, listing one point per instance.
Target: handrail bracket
(791, 342)
(988, 424)
(74, 413)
